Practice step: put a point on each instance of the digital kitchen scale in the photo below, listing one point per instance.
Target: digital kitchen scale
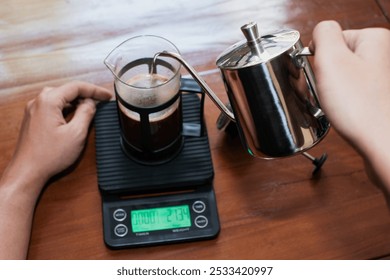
(157, 204)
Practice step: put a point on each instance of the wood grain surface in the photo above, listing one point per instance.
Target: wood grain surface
(268, 209)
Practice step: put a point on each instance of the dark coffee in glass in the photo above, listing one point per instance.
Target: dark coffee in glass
(148, 99)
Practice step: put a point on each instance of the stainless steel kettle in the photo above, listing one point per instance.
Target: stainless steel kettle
(272, 93)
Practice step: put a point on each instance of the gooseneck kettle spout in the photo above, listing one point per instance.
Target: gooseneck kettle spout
(200, 81)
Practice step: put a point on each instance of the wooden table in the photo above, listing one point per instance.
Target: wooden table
(268, 209)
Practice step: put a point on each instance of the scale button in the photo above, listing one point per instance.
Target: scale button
(199, 206)
(201, 221)
(120, 230)
(120, 215)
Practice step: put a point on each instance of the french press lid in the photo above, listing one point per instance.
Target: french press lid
(257, 49)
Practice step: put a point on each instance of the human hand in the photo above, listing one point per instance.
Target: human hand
(352, 69)
(48, 143)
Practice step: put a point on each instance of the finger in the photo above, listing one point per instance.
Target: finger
(82, 117)
(77, 89)
(328, 40)
(352, 38)
(369, 41)
(311, 47)
(46, 89)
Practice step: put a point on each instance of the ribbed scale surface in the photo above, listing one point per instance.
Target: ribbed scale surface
(117, 173)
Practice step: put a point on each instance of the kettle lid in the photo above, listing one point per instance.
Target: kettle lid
(257, 49)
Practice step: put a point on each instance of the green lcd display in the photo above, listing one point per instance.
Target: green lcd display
(160, 218)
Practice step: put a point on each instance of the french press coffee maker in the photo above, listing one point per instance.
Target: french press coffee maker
(272, 94)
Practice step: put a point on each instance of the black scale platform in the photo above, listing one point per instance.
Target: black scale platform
(118, 174)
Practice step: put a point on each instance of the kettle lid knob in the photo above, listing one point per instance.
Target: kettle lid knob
(251, 33)
(257, 49)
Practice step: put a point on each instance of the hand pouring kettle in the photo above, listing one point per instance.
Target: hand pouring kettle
(272, 93)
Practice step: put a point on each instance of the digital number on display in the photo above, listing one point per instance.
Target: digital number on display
(160, 218)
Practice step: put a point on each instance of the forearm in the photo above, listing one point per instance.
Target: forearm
(377, 159)
(17, 203)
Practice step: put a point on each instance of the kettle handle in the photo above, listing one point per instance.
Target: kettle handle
(200, 81)
(300, 60)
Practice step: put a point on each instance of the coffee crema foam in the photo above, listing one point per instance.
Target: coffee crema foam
(148, 90)
(147, 81)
